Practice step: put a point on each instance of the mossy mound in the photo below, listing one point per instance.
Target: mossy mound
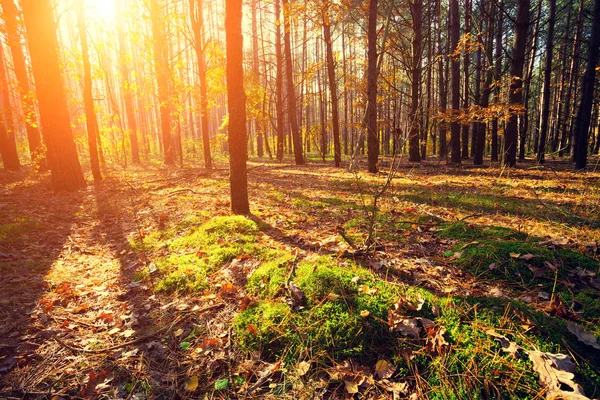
(345, 313)
(202, 250)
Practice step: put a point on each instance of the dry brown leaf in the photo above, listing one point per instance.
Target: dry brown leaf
(351, 386)
(436, 343)
(585, 337)
(556, 370)
(406, 326)
(510, 347)
(384, 369)
(527, 256)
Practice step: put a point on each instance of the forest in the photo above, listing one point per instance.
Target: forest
(377, 199)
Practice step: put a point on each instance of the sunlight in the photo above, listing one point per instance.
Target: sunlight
(101, 10)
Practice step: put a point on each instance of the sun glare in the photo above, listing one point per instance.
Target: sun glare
(104, 10)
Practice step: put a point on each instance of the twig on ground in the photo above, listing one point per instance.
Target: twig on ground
(138, 340)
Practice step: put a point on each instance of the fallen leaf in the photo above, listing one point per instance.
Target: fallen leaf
(514, 255)
(556, 370)
(527, 257)
(302, 368)
(351, 386)
(221, 384)
(510, 347)
(406, 326)
(583, 336)
(384, 369)
(364, 313)
(178, 332)
(192, 384)
(128, 333)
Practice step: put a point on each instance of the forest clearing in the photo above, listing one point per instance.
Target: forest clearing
(207, 199)
(144, 286)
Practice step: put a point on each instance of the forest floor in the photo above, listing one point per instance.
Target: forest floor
(480, 283)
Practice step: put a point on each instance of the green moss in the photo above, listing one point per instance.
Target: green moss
(18, 227)
(269, 279)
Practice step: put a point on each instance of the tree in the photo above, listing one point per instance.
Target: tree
(454, 28)
(279, 81)
(326, 17)
(236, 101)
(291, 92)
(515, 96)
(38, 16)
(371, 115)
(127, 89)
(416, 9)
(197, 21)
(546, 88)
(161, 65)
(8, 145)
(90, 114)
(584, 112)
(34, 138)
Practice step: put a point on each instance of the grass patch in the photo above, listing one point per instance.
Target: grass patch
(18, 227)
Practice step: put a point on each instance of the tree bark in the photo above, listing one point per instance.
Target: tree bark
(279, 81)
(414, 153)
(291, 91)
(8, 144)
(516, 71)
(337, 157)
(38, 16)
(584, 112)
(546, 88)
(27, 96)
(371, 120)
(236, 101)
(90, 115)
(454, 28)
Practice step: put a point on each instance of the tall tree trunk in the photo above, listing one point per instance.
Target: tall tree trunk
(279, 81)
(584, 112)
(161, 64)
(337, 157)
(443, 87)
(127, 85)
(256, 72)
(291, 91)
(466, 62)
(27, 97)
(454, 28)
(545, 111)
(38, 16)
(8, 144)
(515, 97)
(90, 114)
(487, 89)
(497, 73)
(414, 153)
(236, 101)
(568, 118)
(371, 115)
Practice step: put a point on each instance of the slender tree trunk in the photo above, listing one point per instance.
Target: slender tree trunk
(371, 120)
(443, 87)
(584, 112)
(497, 74)
(27, 96)
(256, 71)
(127, 86)
(466, 62)
(8, 144)
(38, 16)
(414, 153)
(161, 64)
(236, 101)
(197, 21)
(545, 111)
(516, 71)
(489, 76)
(90, 113)
(454, 28)
(337, 157)
(291, 91)
(279, 81)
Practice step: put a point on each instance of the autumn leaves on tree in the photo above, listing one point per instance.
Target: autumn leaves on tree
(329, 80)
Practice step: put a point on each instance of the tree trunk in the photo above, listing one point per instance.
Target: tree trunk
(584, 112)
(291, 92)
(337, 157)
(38, 16)
(485, 95)
(27, 98)
(466, 62)
(497, 74)
(454, 28)
(371, 115)
(546, 88)
(516, 71)
(90, 114)
(258, 128)
(236, 101)
(8, 144)
(414, 153)
(443, 88)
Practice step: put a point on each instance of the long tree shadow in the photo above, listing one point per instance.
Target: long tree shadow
(35, 226)
(117, 214)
